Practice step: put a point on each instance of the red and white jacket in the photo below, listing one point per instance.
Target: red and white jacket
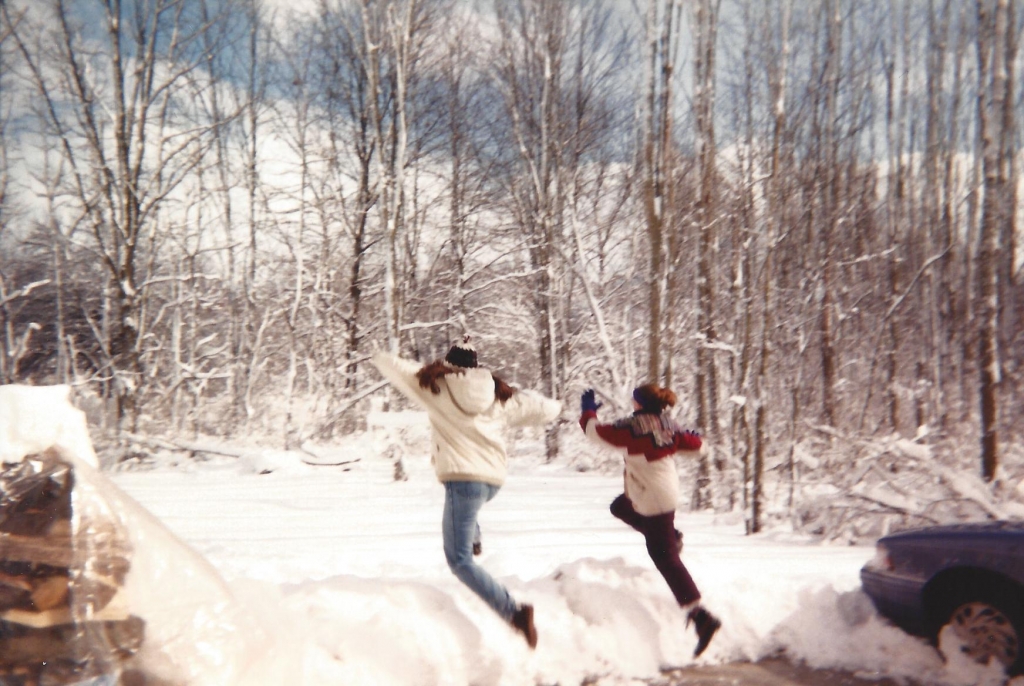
(648, 442)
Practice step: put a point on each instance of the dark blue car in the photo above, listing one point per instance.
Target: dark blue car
(969, 576)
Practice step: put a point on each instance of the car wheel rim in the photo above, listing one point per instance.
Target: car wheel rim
(985, 633)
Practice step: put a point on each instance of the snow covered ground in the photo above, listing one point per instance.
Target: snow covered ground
(343, 572)
(325, 575)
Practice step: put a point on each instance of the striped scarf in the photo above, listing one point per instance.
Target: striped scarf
(660, 428)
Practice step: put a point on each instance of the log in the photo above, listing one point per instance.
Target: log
(99, 643)
(50, 593)
(36, 495)
(15, 581)
(107, 555)
(183, 446)
(14, 596)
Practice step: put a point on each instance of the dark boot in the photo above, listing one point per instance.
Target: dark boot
(706, 624)
(522, 620)
(679, 542)
(478, 548)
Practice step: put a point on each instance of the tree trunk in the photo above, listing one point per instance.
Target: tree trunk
(1008, 321)
(658, 167)
(706, 20)
(992, 43)
(830, 218)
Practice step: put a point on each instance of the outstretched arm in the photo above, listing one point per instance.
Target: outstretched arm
(529, 407)
(401, 374)
(606, 434)
(599, 433)
(688, 440)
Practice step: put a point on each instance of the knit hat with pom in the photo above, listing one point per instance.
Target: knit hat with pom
(462, 354)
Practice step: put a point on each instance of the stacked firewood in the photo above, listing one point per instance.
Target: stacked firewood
(61, 620)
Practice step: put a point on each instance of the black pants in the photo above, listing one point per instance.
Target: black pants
(660, 534)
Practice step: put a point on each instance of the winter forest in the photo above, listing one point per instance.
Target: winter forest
(802, 215)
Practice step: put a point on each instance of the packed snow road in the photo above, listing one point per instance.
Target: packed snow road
(771, 672)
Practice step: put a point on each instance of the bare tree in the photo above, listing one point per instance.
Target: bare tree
(935, 153)
(705, 38)
(110, 105)
(16, 339)
(394, 25)
(997, 209)
(534, 34)
(897, 53)
(600, 207)
(550, 69)
(659, 160)
(830, 221)
(351, 163)
(234, 100)
(778, 22)
(1010, 318)
(7, 355)
(457, 77)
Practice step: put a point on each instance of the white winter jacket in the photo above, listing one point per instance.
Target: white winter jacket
(468, 423)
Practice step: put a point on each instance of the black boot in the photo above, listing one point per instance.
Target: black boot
(706, 624)
(522, 620)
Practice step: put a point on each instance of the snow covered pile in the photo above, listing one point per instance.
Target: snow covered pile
(861, 489)
(34, 418)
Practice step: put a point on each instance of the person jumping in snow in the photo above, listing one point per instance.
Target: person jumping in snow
(649, 438)
(469, 409)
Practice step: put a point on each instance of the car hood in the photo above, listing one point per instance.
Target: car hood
(964, 530)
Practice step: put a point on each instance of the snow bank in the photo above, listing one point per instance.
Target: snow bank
(34, 418)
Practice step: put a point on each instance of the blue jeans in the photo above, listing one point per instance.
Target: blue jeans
(462, 503)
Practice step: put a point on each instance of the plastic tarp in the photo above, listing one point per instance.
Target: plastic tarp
(94, 590)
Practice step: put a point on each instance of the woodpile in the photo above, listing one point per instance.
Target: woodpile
(62, 564)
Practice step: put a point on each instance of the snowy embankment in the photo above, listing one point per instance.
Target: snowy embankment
(324, 575)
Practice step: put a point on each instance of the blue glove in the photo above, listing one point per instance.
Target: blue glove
(587, 402)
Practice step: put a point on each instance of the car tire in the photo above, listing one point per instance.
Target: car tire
(989, 624)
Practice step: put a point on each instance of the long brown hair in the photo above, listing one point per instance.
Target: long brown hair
(438, 369)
